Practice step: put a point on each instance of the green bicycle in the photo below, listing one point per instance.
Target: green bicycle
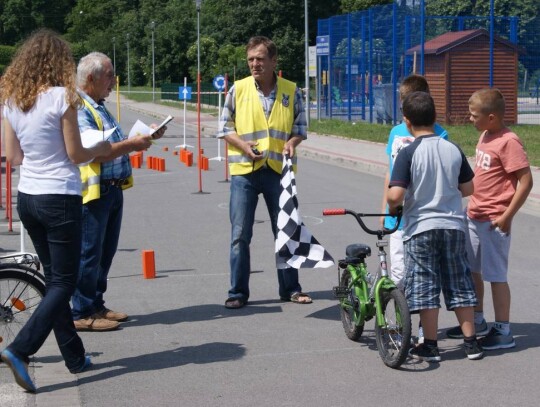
(363, 296)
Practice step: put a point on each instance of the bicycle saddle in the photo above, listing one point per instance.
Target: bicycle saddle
(357, 250)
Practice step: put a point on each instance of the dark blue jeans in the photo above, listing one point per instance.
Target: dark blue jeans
(54, 225)
(101, 220)
(245, 190)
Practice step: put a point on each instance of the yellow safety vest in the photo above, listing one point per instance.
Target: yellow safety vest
(90, 173)
(251, 125)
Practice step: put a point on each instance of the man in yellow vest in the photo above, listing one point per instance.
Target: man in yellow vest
(103, 200)
(263, 118)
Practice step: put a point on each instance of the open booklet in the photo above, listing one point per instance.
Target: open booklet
(141, 129)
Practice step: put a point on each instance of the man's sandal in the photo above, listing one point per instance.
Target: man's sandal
(234, 303)
(298, 298)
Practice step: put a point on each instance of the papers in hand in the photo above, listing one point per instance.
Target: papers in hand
(141, 129)
(163, 123)
(91, 137)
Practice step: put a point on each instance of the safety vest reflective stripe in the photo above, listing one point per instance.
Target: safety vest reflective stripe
(251, 125)
(90, 173)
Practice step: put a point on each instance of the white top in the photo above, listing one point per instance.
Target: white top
(46, 167)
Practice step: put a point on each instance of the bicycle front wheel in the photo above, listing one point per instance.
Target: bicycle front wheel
(394, 337)
(21, 292)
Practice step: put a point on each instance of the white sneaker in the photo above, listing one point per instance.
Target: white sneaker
(420, 335)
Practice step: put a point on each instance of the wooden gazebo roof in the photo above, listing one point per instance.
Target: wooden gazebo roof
(449, 40)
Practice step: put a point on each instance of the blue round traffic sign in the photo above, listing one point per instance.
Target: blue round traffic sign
(219, 83)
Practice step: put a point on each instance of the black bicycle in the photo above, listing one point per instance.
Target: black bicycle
(22, 286)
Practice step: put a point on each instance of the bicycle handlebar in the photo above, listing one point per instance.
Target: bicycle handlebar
(359, 216)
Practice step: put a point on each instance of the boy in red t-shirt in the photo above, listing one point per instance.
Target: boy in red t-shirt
(502, 182)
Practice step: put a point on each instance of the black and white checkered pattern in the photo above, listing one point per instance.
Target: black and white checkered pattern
(295, 245)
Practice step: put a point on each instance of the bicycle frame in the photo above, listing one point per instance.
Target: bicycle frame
(383, 283)
(360, 299)
(361, 290)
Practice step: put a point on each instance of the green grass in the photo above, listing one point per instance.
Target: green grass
(213, 111)
(464, 135)
(144, 94)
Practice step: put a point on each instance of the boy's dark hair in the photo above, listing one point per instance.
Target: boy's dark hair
(413, 83)
(261, 40)
(419, 109)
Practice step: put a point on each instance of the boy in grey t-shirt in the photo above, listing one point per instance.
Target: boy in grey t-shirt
(429, 178)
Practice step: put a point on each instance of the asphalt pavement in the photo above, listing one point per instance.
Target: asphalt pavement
(181, 347)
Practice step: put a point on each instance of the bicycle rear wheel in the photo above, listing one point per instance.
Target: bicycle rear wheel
(349, 309)
(394, 338)
(21, 291)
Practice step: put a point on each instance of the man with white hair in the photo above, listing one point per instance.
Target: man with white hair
(103, 183)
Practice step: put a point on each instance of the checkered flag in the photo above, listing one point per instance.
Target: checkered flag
(295, 245)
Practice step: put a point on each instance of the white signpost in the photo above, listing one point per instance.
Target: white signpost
(313, 62)
(184, 92)
(219, 84)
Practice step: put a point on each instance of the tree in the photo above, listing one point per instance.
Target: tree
(232, 61)
(349, 6)
(525, 10)
(175, 33)
(92, 26)
(209, 55)
(6, 54)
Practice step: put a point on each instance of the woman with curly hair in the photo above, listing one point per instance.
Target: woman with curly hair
(42, 136)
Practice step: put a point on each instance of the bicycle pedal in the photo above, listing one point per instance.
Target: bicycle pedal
(341, 291)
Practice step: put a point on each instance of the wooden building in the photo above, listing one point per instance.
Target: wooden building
(457, 63)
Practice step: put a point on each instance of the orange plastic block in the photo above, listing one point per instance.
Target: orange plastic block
(148, 264)
(189, 159)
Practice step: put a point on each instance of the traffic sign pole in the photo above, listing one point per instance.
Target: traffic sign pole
(219, 85)
(219, 157)
(184, 93)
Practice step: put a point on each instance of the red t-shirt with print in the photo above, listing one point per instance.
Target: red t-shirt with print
(498, 157)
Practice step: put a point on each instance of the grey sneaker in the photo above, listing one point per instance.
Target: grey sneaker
(473, 350)
(496, 340)
(456, 333)
(426, 353)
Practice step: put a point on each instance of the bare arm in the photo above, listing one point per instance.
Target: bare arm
(525, 184)
(14, 153)
(467, 188)
(291, 144)
(72, 139)
(394, 197)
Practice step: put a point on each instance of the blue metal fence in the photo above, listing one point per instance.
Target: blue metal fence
(367, 59)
